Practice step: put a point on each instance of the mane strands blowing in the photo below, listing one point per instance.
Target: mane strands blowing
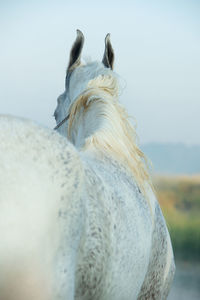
(78, 216)
(114, 135)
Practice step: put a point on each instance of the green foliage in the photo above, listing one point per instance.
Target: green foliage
(179, 198)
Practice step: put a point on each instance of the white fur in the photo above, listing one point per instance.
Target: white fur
(80, 221)
(38, 171)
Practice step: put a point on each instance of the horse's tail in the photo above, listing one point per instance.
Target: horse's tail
(40, 211)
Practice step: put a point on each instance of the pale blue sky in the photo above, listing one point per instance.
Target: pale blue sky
(157, 48)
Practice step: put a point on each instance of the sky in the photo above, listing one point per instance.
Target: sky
(157, 56)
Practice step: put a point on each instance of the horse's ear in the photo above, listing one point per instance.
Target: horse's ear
(108, 58)
(75, 54)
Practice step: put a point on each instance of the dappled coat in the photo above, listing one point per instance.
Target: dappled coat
(78, 216)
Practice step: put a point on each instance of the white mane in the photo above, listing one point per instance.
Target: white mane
(98, 121)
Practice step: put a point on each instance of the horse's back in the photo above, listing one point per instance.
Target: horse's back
(103, 239)
(39, 174)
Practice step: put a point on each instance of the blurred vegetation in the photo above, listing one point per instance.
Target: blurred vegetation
(179, 198)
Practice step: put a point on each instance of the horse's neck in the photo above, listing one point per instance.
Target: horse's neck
(100, 124)
(87, 123)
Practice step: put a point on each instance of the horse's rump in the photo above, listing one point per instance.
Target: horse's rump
(39, 175)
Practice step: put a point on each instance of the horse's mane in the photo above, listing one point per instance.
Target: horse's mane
(116, 135)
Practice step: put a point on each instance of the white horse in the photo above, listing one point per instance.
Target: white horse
(78, 217)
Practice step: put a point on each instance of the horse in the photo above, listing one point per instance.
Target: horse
(79, 219)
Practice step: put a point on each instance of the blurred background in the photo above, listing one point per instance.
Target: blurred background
(157, 46)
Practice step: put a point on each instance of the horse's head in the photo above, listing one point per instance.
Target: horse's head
(78, 76)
